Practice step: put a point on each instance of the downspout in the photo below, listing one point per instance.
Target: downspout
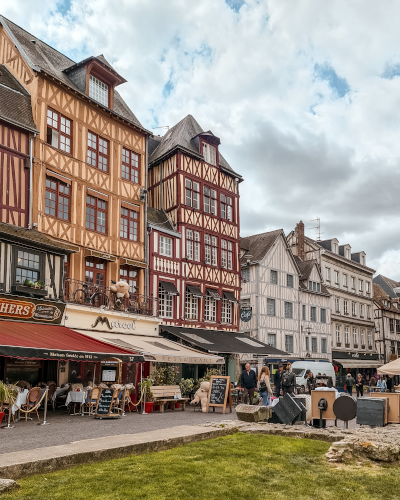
(146, 244)
(30, 180)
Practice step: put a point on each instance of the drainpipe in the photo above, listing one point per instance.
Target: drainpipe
(30, 180)
(146, 243)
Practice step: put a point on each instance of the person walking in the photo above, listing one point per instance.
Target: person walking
(288, 381)
(310, 382)
(264, 386)
(278, 380)
(349, 383)
(372, 384)
(381, 384)
(360, 385)
(249, 383)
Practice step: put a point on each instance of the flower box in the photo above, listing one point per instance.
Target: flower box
(30, 291)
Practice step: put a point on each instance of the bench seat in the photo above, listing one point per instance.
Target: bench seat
(164, 394)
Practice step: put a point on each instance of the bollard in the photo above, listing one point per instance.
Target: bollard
(9, 426)
(144, 402)
(123, 403)
(45, 408)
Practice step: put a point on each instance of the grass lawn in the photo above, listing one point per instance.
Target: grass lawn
(234, 467)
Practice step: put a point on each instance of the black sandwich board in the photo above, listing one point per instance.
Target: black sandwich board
(104, 405)
(220, 392)
(287, 409)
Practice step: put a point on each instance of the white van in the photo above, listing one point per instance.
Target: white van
(301, 369)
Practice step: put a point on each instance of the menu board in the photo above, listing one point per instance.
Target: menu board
(108, 374)
(104, 405)
(220, 392)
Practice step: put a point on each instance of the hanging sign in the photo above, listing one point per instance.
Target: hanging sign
(246, 314)
(28, 309)
(220, 393)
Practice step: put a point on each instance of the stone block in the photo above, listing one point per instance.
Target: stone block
(249, 413)
(7, 485)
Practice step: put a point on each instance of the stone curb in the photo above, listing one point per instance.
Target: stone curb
(17, 465)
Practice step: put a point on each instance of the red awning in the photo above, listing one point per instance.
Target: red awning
(27, 340)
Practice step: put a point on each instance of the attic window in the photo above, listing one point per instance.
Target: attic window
(98, 90)
(209, 153)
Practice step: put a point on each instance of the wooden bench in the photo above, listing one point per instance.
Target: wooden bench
(164, 394)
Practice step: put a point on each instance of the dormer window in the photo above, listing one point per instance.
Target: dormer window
(98, 90)
(209, 153)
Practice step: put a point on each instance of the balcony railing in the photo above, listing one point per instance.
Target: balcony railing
(92, 295)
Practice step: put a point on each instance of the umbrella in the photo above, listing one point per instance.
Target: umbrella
(392, 368)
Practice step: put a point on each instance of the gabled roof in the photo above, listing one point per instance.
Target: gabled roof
(380, 296)
(306, 266)
(43, 58)
(181, 136)
(15, 101)
(387, 285)
(159, 218)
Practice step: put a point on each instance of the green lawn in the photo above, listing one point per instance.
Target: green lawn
(234, 467)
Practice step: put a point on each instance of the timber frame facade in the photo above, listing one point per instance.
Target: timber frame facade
(197, 191)
(89, 163)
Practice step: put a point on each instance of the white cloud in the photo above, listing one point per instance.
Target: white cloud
(251, 72)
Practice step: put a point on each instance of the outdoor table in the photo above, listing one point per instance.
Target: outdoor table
(20, 400)
(76, 397)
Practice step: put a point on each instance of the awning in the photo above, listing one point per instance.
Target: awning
(213, 293)
(169, 287)
(358, 363)
(392, 368)
(195, 291)
(220, 341)
(27, 340)
(230, 297)
(156, 348)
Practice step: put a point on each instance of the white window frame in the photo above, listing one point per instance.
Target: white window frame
(346, 306)
(313, 314)
(272, 339)
(289, 310)
(338, 335)
(355, 336)
(336, 277)
(314, 344)
(196, 246)
(353, 283)
(207, 249)
(362, 335)
(369, 312)
(367, 287)
(323, 315)
(189, 244)
(289, 343)
(210, 154)
(347, 335)
(345, 280)
(214, 251)
(224, 259)
(271, 307)
(226, 311)
(353, 309)
(337, 304)
(369, 333)
(192, 196)
(210, 308)
(324, 345)
(191, 306)
(165, 303)
(274, 273)
(360, 286)
(361, 310)
(98, 90)
(328, 274)
(165, 246)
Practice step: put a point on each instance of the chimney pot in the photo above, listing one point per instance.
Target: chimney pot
(300, 240)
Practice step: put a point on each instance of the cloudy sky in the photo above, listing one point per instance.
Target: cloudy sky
(305, 97)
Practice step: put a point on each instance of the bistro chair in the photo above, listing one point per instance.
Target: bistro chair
(52, 390)
(91, 402)
(31, 400)
(115, 405)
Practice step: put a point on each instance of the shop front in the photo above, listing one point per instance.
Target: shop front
(354, 363)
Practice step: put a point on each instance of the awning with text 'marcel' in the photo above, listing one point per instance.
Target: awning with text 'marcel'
(30, 341)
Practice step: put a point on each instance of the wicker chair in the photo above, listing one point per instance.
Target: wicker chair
(90, 405)
(31, 400)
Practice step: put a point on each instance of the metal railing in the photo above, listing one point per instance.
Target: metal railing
(92, 295)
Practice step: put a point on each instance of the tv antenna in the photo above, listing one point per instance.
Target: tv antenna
(317, 227)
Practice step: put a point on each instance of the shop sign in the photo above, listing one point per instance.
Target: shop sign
(125, 325)
(32, 310)
(246, 314)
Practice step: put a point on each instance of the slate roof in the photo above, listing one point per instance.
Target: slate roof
(42, 57)
(15, 101)
(305, 267)
(33, 237)
(181, 136)
(380, 296)
(258, 245)
(159, 218)
(387, 285)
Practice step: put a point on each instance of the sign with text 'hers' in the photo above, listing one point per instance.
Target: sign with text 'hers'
(32, 310)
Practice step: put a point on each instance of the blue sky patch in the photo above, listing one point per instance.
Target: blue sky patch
(391, 71)
(64, 6)
(235, 4)
(168, 88)
(327, 73)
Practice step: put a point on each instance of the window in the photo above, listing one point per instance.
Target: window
(95, 271)
(274, 277)
(336, 277)
(272, 339)
(323, 315)
(304, 312)
(327, 274)
(226, 311)
(214, 251)
(271, 307)
(193, 245)
(361, 310)
(289, 280)
(128, 274)
(288, 310)
(129, 224)
(370, 339)
(57, 199)
(313, 314)
(226, 254)
(319, 287)
(391, 325)
(314, 286)
(367, 287)
(207, 250)
(337, 304)
(360, 286)
(96, 214)
(59, 131)
(245, 274)
(314, 344)
(28, 266)
(338, 334)
(353, 282)
(353, 308)
(344, 279)
(165, 246)
(369, 312)
(362, 331)
(191, 306)
(347, 336)
(210, 200)
(307, 344)
(165, 302)
(97, 152)
(226, 207)
(130, 165)
(98, 90)
(192, 194)
(397, 326)
(355, 337)
(310, 286)
(289, 343)
(346, 306)
(210, 307)
(323, 346)
(209, 153)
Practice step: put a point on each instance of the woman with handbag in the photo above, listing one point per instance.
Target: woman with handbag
(264, 386)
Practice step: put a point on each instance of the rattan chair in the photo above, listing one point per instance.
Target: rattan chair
(32, 399)
(90, 405)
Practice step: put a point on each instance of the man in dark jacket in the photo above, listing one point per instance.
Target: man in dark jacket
(249, 383)
(278, 380)
(288, 381)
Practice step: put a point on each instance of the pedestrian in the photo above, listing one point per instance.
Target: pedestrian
(389, 383)
(372, 384)
(381, 384)
(288, 381)
(249, 383)
(310, 382)
(360, 385)
(349, 383)
(278, 380)
(264, 386)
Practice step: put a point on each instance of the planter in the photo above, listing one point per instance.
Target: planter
(1, 416)
(148, 407)
(178, 405)
(30, 291)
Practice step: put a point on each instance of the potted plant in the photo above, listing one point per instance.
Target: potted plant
(149, 401)
(4, 396)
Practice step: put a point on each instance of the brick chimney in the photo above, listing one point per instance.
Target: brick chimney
(300, 240)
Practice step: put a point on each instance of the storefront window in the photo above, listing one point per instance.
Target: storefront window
(95, 272)
(129, 274)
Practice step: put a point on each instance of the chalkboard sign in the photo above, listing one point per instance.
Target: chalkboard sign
(104, 405)
(220, 392)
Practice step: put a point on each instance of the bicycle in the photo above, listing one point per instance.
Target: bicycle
(97, 299)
